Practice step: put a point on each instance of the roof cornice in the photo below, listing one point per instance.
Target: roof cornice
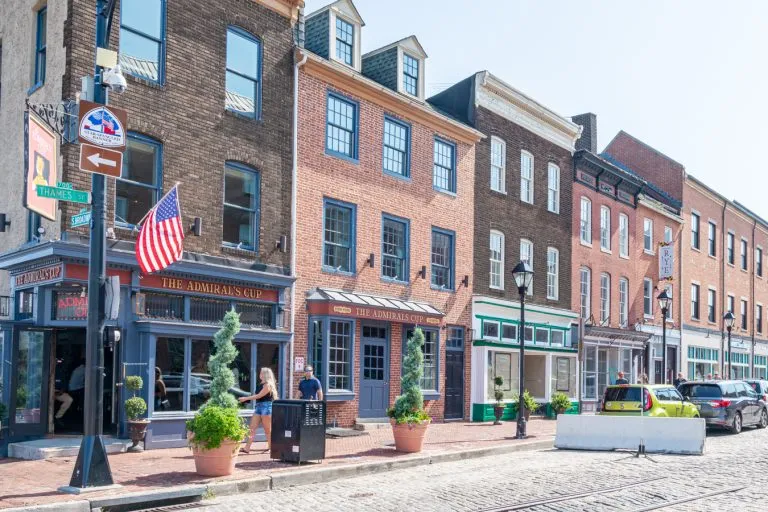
(526, 111)
(410, 108)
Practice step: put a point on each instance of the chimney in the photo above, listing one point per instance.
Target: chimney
(588, 139)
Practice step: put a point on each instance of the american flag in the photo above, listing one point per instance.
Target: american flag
(161, 236)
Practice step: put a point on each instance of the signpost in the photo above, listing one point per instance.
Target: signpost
(81, 219)
(100, 160)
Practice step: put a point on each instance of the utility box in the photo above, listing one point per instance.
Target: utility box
(298, 430)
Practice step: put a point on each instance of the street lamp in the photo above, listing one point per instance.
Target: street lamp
(729, 318)
(665, 301)
(523, 274)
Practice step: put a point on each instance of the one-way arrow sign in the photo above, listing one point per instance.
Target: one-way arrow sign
(100, 160)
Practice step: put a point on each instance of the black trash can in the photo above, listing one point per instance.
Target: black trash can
(298, 430)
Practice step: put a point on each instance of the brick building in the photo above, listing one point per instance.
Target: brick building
(722, 257)
(620, 222)
(210, 108)
(523, 184)
(384, 195)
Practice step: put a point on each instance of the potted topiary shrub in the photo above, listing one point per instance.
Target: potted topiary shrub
(135, 407)
(560, 403)
(216, 431)
(408, 417)
(529, 403)
(498, 394)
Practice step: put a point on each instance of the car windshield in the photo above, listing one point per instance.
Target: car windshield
(622, 394)
(701, 390)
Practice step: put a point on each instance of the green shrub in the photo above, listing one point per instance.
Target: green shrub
(409, 407)
(222, 378)
(528, 401)
(134, 383)
(135, 407)
(214, 424)
(560, 402)
(498, 394)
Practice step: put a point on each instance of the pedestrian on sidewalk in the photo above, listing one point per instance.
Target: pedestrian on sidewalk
(679, 380)
(266, 393)
(310, 387)
(620, 379)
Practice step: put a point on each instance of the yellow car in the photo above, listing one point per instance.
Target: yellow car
(659, 401)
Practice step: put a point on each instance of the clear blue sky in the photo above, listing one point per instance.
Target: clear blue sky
(687, 77)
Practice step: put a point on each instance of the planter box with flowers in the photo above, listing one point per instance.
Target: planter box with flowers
(135, 407)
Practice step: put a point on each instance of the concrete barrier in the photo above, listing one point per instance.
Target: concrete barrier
(605, 433)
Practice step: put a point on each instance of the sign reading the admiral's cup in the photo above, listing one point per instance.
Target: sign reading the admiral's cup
(208, 288)
(38, 275)
(102, 125)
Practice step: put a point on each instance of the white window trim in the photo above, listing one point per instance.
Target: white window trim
(501, 266)
(356, 55)
(588, 228)
(524, 241)
(710, 224)
(555, 191)
(624, 305)
(503, 170)
(498, 327)
(744, 251)
(624, 241)
(531, 187)
(556, 285)
(698, 301)
(607, 311)
(649, 281)
(605, 229)
(648, 221)
(588, 297)
(668, 229)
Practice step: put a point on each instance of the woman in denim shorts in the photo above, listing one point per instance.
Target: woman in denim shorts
(266, 392)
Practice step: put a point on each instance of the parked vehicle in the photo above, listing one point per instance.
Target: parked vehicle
(660, 401)
(760, 387)
(730, 404)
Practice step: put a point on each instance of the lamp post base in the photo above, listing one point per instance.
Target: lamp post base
(521, 428)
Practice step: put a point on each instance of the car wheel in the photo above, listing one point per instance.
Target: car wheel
(737, 424)
(763, 419)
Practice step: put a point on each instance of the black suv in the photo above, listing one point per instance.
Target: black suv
(732, 404)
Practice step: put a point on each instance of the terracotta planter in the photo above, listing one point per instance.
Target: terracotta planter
(409, 437)
(137, 429)
(498, 412)
(560, 411)
(218, 461)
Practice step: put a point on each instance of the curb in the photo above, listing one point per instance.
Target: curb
(278, 480)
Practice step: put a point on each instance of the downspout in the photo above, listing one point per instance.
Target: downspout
(723, 294)
(679, 364)
(294, 187)
(752, 298)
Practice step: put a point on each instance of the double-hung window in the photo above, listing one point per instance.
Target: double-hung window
(497, 260)
(647, 297)
(711, 299)
(605, 297)
(241, 206)
(553, 188)
(243, 73)
(585, 224)
(331, 347)
(695, 301)
(605, 228)
(553, 272)
(526, 255)
(730, 305)
(410, 75)
(397, 144)
(442, 273)
(711, 244)
(667, 235)
(623, 301)
(444, 166)
(759, 318)
(623, 235)
(585, 292)
(40, 46)
(648, 235)
(743, 254)
(345, 37)
(142, 38)
(729, 248)
(744, 315)
(138, 187)
(759, 262)
(526, 177)
(341, 127)
(394, 248)
(338, 236)
(695, 221)
(498, 165)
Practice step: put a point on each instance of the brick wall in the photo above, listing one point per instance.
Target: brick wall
(187, 115)
(364, 184)
(517, 219)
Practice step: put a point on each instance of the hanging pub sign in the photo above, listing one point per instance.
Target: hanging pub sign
(70, 306)
(666, 261)
(40, 165)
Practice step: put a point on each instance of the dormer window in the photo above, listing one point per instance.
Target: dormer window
(410, 75)
(345, 41)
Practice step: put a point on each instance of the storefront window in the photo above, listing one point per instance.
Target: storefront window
(490, 330)
(70, 306)
(558, 338)
(509, 332)
(542, 336)
(242, 370)
(590, 373)
(564, 375)
(255, 315)
(209, 311)
(431, 351)
(24, 304)
(199, 375)
(339, 356)
(268, 356)
(163, 306)
(29, 368)
(169, 358)
(504, 365)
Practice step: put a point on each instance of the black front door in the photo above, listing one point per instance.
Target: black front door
(454, 384)
(28, 414)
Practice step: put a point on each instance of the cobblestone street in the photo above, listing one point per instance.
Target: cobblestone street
(730, 476)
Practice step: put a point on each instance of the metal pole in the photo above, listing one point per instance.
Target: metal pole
(664, 345)
(730, 375)
(521, 427)
(92, 466)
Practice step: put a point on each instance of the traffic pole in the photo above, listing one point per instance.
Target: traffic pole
(92, 466)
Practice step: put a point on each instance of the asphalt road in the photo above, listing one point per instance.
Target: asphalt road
(732, 475)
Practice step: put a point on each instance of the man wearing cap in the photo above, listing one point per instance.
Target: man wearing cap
(309, 387)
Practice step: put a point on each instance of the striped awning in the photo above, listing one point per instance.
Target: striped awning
(363, 305)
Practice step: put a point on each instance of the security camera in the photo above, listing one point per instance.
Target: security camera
(114, 79)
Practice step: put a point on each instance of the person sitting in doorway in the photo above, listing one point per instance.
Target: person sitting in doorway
(620, 379)
(66, 402)
(76, 387)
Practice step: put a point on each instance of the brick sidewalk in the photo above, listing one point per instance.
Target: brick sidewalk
(36, 482)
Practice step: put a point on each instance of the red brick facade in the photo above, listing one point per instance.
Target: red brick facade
(364, 184)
